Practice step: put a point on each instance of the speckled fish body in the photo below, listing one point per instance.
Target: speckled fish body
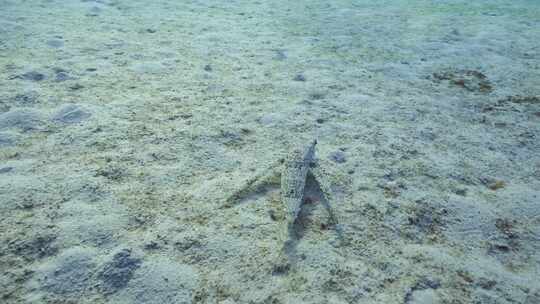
(293, 179)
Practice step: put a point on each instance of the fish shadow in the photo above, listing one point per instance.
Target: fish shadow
(314, 198)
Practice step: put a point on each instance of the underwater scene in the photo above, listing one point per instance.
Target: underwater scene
(270, 151)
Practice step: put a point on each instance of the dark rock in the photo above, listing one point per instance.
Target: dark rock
(6, 170)
(280, 55)
(471, 80)
(299, 77)
(461, 191)
(32, 76)
(426, 220)
(151, 31)
(338, 157)
(76, 87)
(111, 172)
(71, 114)
(208, 68)
(33, 248)
(91, 69)
(520, 100)
(230, 138)
(281, 269)
(486, 283)
(151, 246)
(187, 244)
(116, 273)
(62, 76)
(423, 284)
(27, 98)
(317, 95)
(493, 183)
(23, 119)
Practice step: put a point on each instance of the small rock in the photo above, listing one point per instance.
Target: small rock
(280, 55)
(70, 114)
(317, 95)
(34, 247)
(208, 68)
(6, 170)
(461, 191)
(299, 77)
(76, 87)
(27, 98)
(338, 157)
(61, 75)
(32, 76)
(493, 184)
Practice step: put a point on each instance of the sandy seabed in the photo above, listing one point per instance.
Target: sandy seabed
(126, 126)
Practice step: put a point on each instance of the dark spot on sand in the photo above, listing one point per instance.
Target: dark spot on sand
(280, 55)
(76, 87)
(55, 43)
(112, 173)
(426, 219)
(208, 68)
(299, 77)
(31, 76)
(521, 99)
(25, 99)
(317, 95)
(422, 284)
(231, 138)
(493, 183)
(471, 80)
(116, 273)
(61, 76)
(6, 170)
(35, 247)
(338, 157)
(281, 269)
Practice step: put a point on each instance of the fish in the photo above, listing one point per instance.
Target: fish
(297, 164)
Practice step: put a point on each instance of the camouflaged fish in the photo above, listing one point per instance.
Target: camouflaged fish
(293, 179)
(293, 169)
